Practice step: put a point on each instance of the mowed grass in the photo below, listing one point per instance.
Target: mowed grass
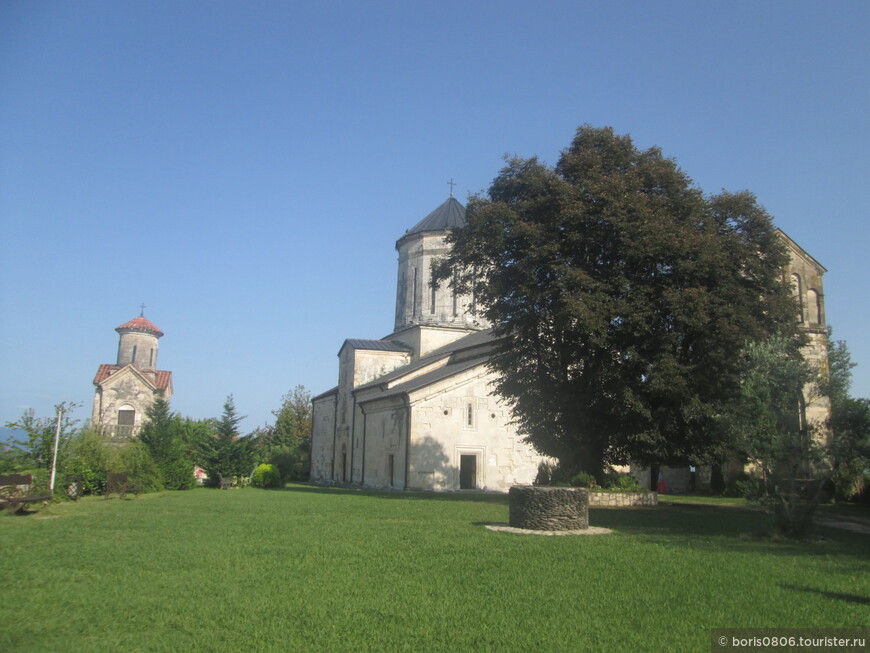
(312, 569)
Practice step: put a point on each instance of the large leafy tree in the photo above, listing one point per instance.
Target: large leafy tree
(287, 443)
(619, 295)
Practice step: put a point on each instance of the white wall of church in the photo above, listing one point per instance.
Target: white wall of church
(459, 417)
(322, 437)
(424, 340)
(384, 441)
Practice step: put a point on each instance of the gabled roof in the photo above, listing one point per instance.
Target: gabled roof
(162, 378)
(459, 356)
(450, 215)
(800, 251)
(452, 368)
(328, 393)
(140, 323)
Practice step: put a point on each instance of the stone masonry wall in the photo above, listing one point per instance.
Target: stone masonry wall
(622, 499)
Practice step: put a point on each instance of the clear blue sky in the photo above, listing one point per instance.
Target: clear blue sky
(245, 168)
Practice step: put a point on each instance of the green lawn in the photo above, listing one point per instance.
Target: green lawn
(308, 569)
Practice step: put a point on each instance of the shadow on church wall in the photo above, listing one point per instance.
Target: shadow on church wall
(430, 466)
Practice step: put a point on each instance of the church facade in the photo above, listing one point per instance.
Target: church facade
(123, 391)
(416, 410)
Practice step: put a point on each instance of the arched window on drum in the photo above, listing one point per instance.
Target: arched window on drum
(797, 293)
(813, 309)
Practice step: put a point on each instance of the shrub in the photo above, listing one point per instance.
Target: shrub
(546, 471)
(266, 476)
(616, 482)
(88, 456)
(582, 479)
(135, 460)
(291, 462)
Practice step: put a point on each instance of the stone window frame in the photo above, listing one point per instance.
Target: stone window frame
(469, 415)
(480, 467)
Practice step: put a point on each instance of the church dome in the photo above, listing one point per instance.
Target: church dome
(450, 215)
(139, 324)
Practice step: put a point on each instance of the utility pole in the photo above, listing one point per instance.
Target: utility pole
(56, 442)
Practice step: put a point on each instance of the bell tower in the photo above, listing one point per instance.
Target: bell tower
(428, 318)
(138, 343)
(417, 302)
(123, 391)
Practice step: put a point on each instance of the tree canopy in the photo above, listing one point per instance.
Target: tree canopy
(38, 448)
(849, 423)
(287, 444)
(620, 295)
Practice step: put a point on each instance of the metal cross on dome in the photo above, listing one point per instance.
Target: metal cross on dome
(451, 183)
(142, 312)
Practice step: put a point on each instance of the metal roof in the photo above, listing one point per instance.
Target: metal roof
(467, 352)
(450, 215)
(374, 345)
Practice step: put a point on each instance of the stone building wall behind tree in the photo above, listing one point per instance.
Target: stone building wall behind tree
(806, 276)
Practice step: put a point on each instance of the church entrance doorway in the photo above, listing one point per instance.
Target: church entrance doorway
(467, 472)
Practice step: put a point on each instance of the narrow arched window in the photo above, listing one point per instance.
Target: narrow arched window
(414, 294)
(455, 298)
(813, 306)
(797, 293)
(469, 415)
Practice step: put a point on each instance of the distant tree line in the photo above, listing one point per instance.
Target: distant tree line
(168, 448)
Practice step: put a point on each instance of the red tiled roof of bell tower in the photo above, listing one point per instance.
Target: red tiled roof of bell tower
(140, 323)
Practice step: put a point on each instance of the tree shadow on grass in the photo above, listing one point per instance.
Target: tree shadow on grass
(719, 527)
(461, 496)
(840, 596)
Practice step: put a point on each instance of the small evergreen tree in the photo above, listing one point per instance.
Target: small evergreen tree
(162, 435)
(227, 453)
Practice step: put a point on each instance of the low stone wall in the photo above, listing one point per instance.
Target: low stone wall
(622, 499)
(543, 508)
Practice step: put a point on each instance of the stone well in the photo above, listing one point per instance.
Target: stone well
(542, 508)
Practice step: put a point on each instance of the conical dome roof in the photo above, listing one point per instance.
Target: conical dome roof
(450, 215)
(139, 324)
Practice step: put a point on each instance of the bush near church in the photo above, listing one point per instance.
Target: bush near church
(266, 476)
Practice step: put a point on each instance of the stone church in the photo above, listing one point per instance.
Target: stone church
(416, 410)
(124, 391)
